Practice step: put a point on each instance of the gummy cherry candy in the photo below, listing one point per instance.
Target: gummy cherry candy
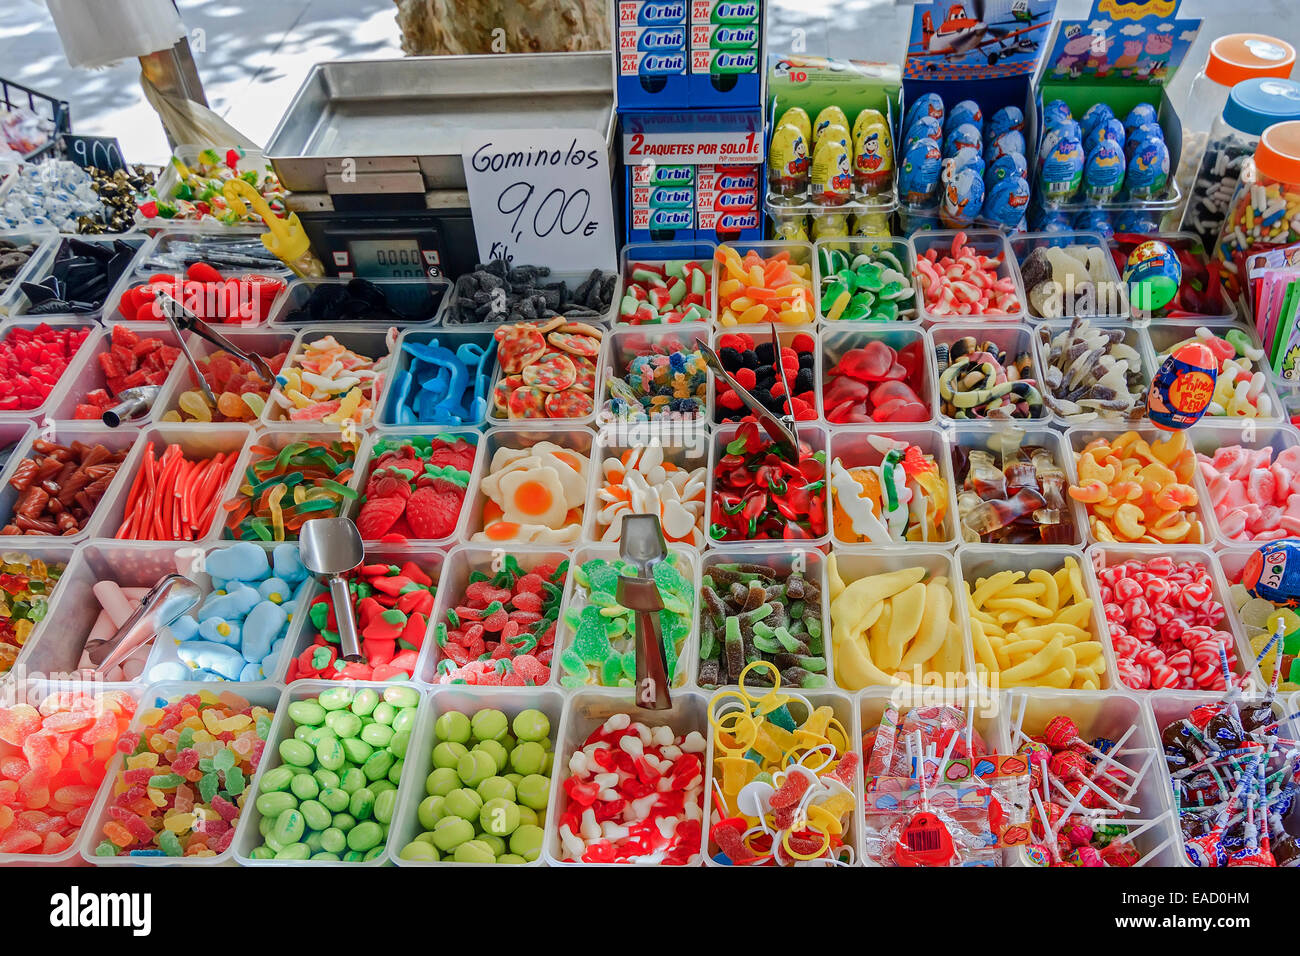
(871, 363)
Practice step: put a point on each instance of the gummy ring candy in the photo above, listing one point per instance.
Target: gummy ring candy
(776, 680)
(826, 845)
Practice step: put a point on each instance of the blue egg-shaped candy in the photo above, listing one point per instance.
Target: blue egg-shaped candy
(1005, 167)
(1103, 173)
(1273, 574)
(1060, 170)
(929, 104)
(1006, 144)
(1097, 114)
(965, 136)
(918, 175)
(1112, 130)
(1148, 170)
(923, 127)
(1094, 220)
(963, 196)
(967, 158)
(1136, 221)
(967, 111)
(1145, 133)
(1140, 114)
(1055, 113)
(1051, 220)
(1005, 120)
(1007, 201)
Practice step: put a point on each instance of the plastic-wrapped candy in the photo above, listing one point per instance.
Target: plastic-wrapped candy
(788, 160)
(1050, 219)
(797, 117)
(1153, 274)
(54, 193)
(873, 154)
(1096, 115)
(924, 127)
(1005, 119)
(1148, 170)
(830, 182)
(835, 133)
(1061, 169)
(1145, 133)
(961, 137)
(929, 104)
(1140, 114)
(967, 111)
(968, 158)
(829, 116)
(1137, 221)
(1103, 175)
(919, 174)
(963, 195)
(1067, 130)
(1007, 166)
(1007, 201)
(1010, 143)
(1055, 113)
(1111, 129)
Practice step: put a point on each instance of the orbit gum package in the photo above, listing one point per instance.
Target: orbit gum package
(725, 41)
(662, 203)
(651, 38)
(726, 203)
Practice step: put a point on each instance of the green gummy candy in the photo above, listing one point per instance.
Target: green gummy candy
(209, 784)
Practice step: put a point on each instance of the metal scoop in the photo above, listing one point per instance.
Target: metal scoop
(331, 548)
(780, 428)
(642, 546)
(131, 403)
(172, 596)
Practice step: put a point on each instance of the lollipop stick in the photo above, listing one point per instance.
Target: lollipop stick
(1152, 852)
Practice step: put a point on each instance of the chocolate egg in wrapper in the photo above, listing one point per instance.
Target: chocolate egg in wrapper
(1111, 129)
(869, 117)
(967, 111)
(1094, 220)
(1103, 174)
(1007, 201)
(1005, 120)
(1182, 387)
(873, 158)
(1005, 167)
(1010, 143)
(1061, 170)
(924, 127)
(1148, 170)
(929, 104)
(1095, 115)
(1055, 113)
(797, 117)
(830, 116)
(787, 161)
(965, 136)
(918, 176)
(830, 182)
(1141, 114)
(962, 195)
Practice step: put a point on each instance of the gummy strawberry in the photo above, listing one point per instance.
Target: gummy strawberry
(433, 509)
(377, 516)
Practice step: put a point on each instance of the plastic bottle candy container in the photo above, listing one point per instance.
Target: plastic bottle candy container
(1262, 591)
(892, 628)
(173, 498)
(1165, 625)
(755, 289)
(981, 380)
(1069, 281)
(533, 495)
(753, 364)
(611, 821)
(548, 370)
(1241, 383)
(186, 776)
(55, 755)
(1200, 291)
(1265, 208)
(1092, 374)
(245, 299)
(241, 392)
(331, 797)
(876, 383)
(964, 282)
(1139, 491)
(239, 629)
(757, 493)
(1036, 630)
(643, 481)
(197, 194)
(487, 793)
(1153, 275)
(311, 475)
(416, 487)
(130, 361)
(59, 487)
(392, 604)
(795, 764)
(501, 631)
(1255, 493)
(871, 286)
(1231, 811)
(678, 290)
(26, 585)
(32, 361)
(754, 612)
(904, 498)
(603, 646)
(328, 382)
(1019, 499)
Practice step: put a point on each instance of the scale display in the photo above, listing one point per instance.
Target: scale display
(387, 258)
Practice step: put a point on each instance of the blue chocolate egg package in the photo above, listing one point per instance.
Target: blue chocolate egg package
(967, 111)
(929, 104)
(923, 127)
(963, 195)
(1006, 119)
(919, 174)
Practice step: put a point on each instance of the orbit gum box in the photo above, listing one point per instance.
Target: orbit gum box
(727, 203)
(653, 52)
(661, 202)
(725, 52)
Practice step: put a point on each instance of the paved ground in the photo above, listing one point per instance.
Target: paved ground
(258, 51)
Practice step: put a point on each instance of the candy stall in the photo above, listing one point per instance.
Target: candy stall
(703, 454)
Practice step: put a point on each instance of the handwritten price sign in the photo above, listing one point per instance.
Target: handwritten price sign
(541, 197)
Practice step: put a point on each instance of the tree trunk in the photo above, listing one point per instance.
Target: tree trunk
(434, 27)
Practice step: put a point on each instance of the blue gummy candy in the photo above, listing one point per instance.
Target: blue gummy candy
(263, 625)
(244, 561)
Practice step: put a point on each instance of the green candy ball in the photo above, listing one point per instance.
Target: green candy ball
(494, 787)
(447, 754)
(533, 791)
(526, 841)
(463, 803)
(511, 858)
(531, 724)
(528, 758)
(497, 844)
(451, 832)
(431, 810)
(474, 851)
(528, 816)
(420, 851)
(452, 726)
(493, 749)
(474, 767)
(499, 817)
(441, 781)
(489, 725)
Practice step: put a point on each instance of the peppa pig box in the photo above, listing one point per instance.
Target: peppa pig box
(1109, 137)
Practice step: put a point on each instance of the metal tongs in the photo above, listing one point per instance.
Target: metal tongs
(781, 428)
(182, 319)
(172, 596)
(642, 545)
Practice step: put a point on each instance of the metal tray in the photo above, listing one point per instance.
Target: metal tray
(396, 118)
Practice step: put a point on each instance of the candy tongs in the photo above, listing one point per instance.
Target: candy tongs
(781, 428)
(162, 604)
(642, 545)
(182, 319)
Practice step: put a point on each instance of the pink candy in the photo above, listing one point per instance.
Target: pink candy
(1256, 496)
(965, 283)
(1164, 624)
